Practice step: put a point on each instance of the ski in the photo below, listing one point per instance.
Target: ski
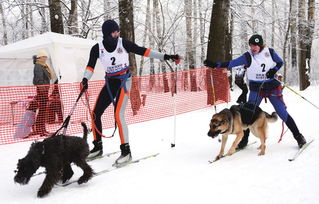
(300, 150)
(88, 160)
(237, 150)
(112, 168)
(101, 156)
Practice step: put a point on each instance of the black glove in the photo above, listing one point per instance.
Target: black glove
(242, 98)
(84, 84)
(210, 64)
(171, 57)
(271, 73)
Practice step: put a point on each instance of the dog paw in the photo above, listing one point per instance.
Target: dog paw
(42, 193)
(218, 157)
(261, 153)
(230, 152)
(82, 179)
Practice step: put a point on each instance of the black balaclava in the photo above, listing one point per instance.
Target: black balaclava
(108, 27)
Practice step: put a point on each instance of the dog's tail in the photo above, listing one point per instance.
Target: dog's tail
(85, 131)
(271, 118)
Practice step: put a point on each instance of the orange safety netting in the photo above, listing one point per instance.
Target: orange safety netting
(32, 109)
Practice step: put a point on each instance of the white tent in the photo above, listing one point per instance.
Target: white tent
(68, 57)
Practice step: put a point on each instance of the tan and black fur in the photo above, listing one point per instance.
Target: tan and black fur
(237, 119)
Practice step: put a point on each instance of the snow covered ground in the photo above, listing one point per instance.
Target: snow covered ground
(183, 174)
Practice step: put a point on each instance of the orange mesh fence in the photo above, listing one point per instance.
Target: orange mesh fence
(31, 112)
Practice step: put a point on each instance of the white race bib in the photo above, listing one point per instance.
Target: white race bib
(260, 64)
(114, 62)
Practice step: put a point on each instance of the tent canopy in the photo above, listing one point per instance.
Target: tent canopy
(68, 57)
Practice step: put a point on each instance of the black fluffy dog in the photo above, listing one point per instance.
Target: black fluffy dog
(56, 154)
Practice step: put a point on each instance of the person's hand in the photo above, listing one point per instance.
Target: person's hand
(210, 64)
(242, 98)
(176, 58)
(271, 73)
(84, 84)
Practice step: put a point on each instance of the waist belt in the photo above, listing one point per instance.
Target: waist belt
(123, 77)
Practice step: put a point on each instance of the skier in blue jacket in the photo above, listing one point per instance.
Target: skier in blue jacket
(262, 64)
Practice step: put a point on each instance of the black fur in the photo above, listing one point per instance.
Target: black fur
(56, 154)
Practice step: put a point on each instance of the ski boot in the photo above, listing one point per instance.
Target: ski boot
(97, 150)
(125, 157)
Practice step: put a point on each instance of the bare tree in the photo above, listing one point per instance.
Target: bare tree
(217, 48)
(285, 48)
(219, 29)
(190, 60)
(43, 15)
(293, 32)
(151, 25)
(201, 31)
(146, 27)
(24, 18)
(273, 15)
(56, 16)
(160, 41)
(253, 20)
(195, 30)
(31, 19)
(127, 31)
(4, 25)
(107, 6)
(304, 41)
(73, 18)
(309, 36)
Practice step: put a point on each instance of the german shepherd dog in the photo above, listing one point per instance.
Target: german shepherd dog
(237, 119)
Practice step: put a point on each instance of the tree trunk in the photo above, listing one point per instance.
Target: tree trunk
(229, 50)
(160, 43)
(152, 24)
(147, 26)
(73, 18)
(285, 58)
(107, 5)
(293, 38)
(44, 27)
(218, 31)
(31, 20)
(302, 28)
(243, 34)
(195, 31)
(4, 25)
(127, 32)
(217, 40)
(253, 20)
(56, 16)
(309, 36)
(24, 20)
(190, 60)
(273, 13)
(201, 31)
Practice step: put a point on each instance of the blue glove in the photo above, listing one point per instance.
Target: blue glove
(211, 64)
(271, 73)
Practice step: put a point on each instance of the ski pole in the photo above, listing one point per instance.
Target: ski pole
(291, 89)
(173, 143)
